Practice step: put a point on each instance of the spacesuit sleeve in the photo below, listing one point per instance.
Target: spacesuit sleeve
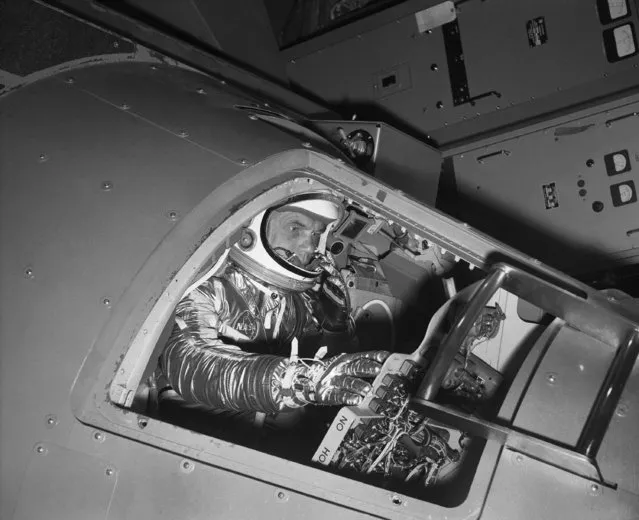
(207, 369)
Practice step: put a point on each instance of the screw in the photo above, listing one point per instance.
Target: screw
(594, 489)
(590, 163)
(40, 449)
(106, 302)
(243, 161)
(29, 274)
(107, 186)
(142, 422)
(293, 62)
(396, 499)
(98, 436)
(622, 410)
(519, 459)
(116, 45)
(70, 81)
(172, 215)
(439, 104)
(222, 82)
(43, 157)
(187, 466)
(183, 133)
(581, 183)
(201, 91)
(434, 67)
(124, 106)
(551, 377)
(109, 472)
(52, 420)
(153, 67)
(583, 192)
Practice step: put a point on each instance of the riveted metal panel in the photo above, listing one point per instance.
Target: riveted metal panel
(87, 192)
(50, 488)
(562, 391)
(527, 489)
(206, 119)
(501, 187)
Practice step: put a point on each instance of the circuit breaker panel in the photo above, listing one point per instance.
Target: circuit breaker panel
(446, 69)
(564, 191)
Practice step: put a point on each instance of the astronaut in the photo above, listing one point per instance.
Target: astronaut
(250, 339)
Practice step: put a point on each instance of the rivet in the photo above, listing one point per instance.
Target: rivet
(154, 67)
(581, 367)
(243, 161)
(519, 458)
(281, 496)
(98, 436)
(51, 420)
(109, 472)
(266, 105)
(145, 332)
(116, 44)
(183, 133)
(440, 104)
(39, 448)
(434, 67)
(43, 157)
(142, 422)
(396, 499)
(106, 302)
(292, 61)
(29, 274)
(471, 267)
(186, 466)
(594, 489)
(590, 163)
(107, 186)
(124, 106)
(306, 144)
(622, 410)
(222, 82)
(70, 81)
(172, 215)
(551, 377)
(201, 91)
(253, 117)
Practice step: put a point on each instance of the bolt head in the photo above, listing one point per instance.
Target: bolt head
(243, 161)
(172, 215)
(98, 436)
(106, 302)
(434, 67)
(109, 472)
(551, 378)
(41, 449)
(29, 274)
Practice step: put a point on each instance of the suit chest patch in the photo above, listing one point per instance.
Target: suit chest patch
(247, 324)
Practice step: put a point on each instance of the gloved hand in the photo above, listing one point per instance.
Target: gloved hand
(336, 381)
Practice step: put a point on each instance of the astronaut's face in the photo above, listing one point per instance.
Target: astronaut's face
(294, 236)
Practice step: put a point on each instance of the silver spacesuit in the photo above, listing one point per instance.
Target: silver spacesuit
(254, 337)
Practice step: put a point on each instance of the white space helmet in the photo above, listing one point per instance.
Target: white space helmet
(253, 253)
